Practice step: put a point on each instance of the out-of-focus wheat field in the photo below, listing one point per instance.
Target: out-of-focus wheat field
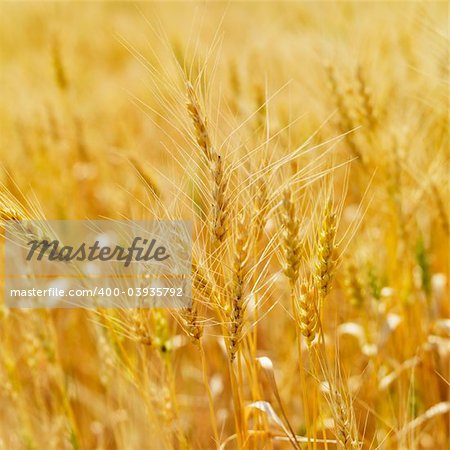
(308, 144)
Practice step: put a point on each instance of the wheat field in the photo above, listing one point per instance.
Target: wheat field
(308, 143)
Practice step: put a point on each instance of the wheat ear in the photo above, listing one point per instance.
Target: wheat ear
(308, 306)
(325, 263)
(237, 303)
(291, 239)
(343, 423)
(215, 164)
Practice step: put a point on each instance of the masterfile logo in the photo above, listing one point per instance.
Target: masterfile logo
(54, 251)
(98, 264)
